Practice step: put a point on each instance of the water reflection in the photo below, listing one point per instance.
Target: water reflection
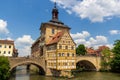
(23, 74)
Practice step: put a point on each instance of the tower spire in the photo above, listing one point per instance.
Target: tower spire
(55, 12)
(55, 5)
(55, 17)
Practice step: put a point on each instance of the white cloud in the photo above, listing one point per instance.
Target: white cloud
(23, 44)
(82, 35)
(94, 10)
(89, 41)
(3, 27)
(113, 32)
(97, 41)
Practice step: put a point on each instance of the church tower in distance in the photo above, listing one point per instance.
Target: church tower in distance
(56, 46)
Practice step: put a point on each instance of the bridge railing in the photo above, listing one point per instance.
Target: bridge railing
(87, 56)
(26, 57)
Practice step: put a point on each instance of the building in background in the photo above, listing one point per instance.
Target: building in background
(55, 45)
(96, 52)
(7, 48)
(91, 52)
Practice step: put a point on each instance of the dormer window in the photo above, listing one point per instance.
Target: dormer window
(53, 31)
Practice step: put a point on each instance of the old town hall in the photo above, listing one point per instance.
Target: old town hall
(56, 46)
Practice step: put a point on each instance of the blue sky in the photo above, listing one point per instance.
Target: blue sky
(93, 22)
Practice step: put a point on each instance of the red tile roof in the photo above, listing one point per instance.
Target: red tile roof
(102, 48)
(7, 42)
(56, 38)
(90, 51)
(97, 52)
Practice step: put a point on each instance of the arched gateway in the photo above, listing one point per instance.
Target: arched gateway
(90, 62)
(39, 62)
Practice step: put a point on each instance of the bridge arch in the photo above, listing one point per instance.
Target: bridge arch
(39, 62)
(86, 65)
(41, 69)
(92, 62)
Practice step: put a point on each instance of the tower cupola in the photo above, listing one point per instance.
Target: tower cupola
(55, 13)
(55, 16)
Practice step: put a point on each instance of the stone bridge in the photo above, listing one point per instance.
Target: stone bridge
(39, 62)
(91, 61)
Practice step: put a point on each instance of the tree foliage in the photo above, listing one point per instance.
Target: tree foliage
(116, 48)
(80, 50)
(115, 63)
(106, 53)
(4, 68)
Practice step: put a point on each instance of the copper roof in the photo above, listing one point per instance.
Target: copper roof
(56, 38)
(7, 42)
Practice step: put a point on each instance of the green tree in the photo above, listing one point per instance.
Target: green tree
(4, 68)
(115, 62)
(116, 48)
(106, 53)
(80, 50)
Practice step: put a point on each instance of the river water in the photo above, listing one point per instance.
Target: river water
(22, 74)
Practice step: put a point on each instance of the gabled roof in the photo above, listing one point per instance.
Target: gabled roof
(7, 42)
(56, 38)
